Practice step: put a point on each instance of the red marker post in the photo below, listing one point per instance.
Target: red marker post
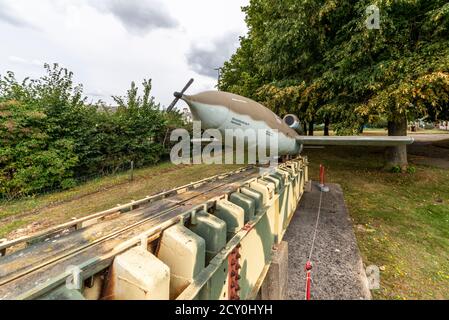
(308, 269)
(323, 188)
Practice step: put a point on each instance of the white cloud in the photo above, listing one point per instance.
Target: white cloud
(107, 49)
(138, 16)
(19, 60)
(204, 59)
(7, 15)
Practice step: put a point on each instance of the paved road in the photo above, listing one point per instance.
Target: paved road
(338, 271)
(429, 137)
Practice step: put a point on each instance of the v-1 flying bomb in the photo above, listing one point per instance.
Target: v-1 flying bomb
(223, 110)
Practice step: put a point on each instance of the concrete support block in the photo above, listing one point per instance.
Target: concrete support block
(275, 284)
(184, 252)
(276, 181)
(248, 204)
(138, 275)
(270, 185)
(212, 230)
(265, 188)
(233, 215)
(280, 177)
(257, 196)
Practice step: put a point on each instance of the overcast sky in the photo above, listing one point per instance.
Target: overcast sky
(109, 43)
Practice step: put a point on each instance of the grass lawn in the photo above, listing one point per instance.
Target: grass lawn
(40, 212)
(401, 221)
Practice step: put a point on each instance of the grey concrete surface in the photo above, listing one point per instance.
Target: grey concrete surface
(338, 271)
(275, 284)
(423, 137)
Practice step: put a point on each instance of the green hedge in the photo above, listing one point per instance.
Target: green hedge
(50, 137)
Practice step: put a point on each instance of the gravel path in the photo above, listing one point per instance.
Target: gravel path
(338, 271)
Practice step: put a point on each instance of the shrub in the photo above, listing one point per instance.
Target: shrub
(50, 137)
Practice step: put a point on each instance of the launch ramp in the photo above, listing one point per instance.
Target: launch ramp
(211, 239)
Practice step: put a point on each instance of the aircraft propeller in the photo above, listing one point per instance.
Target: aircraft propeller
(178, 95)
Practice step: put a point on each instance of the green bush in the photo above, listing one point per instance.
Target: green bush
(411, 170)
(396, 169)
(50, 136)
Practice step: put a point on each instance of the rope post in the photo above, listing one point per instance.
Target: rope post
(308, 270)
(323, 187)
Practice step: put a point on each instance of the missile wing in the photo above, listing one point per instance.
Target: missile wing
(354, 140)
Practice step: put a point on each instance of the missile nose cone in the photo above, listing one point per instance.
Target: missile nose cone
(210, 114)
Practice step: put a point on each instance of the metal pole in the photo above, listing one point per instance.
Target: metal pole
(132, 171)
(218, 75)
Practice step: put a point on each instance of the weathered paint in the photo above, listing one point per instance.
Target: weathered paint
(232, 215)
(138, 275)
(247, 203)
(211, 229)
(184, 252)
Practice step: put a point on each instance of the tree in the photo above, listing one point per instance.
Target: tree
(141, 122)
(50, 137)
(343, 71)
(240, 74)
(34, 155)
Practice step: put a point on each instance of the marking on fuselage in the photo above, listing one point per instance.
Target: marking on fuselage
(239, 122)
(238, 100)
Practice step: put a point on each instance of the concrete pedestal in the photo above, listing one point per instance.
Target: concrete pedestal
(275, 284)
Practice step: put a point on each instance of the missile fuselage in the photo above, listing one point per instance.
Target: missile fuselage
(226, 111)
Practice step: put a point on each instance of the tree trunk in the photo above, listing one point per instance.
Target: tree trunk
(311, 128)
(305, 128)
(361, 128)
(326, 126)
(397, 156)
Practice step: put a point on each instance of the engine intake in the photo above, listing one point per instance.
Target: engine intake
(292, 121)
